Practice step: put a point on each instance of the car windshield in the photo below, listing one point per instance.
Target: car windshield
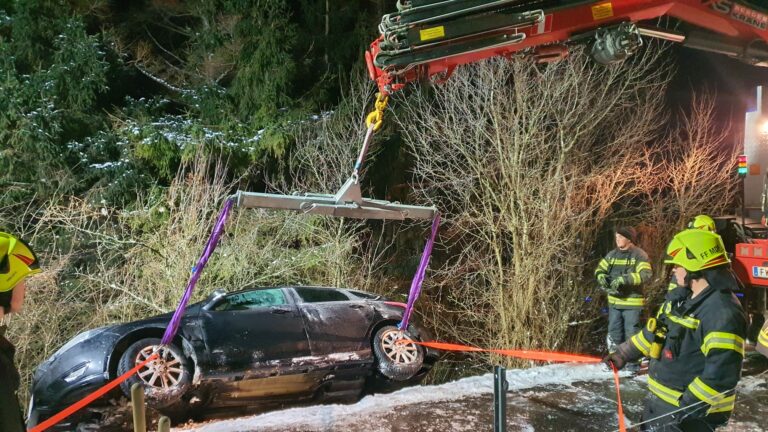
(252, 300)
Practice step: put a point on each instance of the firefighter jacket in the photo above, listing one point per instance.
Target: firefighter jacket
(762, 340)
(700, 362)
(633, 269)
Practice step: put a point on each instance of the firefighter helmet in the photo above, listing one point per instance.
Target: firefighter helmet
(702, 222)
(17, 261)
(696, 249)
(7, 243)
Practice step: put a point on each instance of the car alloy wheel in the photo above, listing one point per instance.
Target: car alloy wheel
(164, 372)
(165, 380)
(397, 357)
(400, 352)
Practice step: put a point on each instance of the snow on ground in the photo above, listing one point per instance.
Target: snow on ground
(315, 417)
(555, 398)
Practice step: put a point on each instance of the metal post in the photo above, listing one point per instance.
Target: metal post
(164, 425)
(500, 386)
(139, 414)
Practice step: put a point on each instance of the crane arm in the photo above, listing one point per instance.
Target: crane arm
(428, 39)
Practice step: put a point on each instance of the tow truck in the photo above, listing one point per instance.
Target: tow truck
(428, 39)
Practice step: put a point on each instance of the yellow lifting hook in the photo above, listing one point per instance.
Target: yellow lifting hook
(376, 117)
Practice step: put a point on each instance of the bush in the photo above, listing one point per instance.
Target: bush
(530, 164)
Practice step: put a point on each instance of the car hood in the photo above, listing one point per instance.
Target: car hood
(104, 337)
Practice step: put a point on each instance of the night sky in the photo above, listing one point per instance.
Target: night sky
(733, 81)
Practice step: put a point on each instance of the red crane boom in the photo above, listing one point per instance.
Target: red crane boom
(428, 39)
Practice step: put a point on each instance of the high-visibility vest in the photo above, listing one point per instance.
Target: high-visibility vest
(17, 261)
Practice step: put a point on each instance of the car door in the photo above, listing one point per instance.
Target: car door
(248, 328)
(335, 322)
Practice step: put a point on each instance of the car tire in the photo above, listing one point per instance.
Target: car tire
(165, 381)
(396, 361)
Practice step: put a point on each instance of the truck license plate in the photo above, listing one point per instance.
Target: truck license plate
(760, 272)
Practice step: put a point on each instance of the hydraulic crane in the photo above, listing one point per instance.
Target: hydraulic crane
(428, 39)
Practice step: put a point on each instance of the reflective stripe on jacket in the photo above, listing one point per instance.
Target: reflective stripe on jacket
(634, 269)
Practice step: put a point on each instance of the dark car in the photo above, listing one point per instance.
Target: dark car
(235, 352)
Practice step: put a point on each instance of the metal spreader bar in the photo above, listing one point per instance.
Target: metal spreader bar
(347, 202)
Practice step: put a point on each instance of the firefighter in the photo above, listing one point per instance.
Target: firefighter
(762, 340)
(621, 274)
(17, 261)
(696, 347)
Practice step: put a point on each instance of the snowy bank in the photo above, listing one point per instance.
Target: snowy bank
(380, 404)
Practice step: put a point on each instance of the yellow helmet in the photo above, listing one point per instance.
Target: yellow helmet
(696, 249)
(702, 222)
(17, 261)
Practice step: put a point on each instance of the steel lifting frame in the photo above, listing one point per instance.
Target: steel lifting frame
(347, 202)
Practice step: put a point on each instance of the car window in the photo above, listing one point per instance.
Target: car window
(319, 295)
(365, 295)
(253, 300)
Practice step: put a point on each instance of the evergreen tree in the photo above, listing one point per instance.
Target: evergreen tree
(49, 82)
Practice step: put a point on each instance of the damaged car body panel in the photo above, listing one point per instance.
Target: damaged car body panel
(244, 351)
(252, 326)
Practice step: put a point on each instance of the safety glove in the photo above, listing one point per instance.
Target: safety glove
(617, 283)
(620, 357)
(615, 359)
(602, 279)
(613, 286)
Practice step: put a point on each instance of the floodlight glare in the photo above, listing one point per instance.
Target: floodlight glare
(764, 127)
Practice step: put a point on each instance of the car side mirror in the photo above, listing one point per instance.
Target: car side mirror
(214, 299)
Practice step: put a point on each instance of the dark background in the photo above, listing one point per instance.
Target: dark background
(732, 81)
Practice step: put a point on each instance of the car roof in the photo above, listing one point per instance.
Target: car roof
(354, 291)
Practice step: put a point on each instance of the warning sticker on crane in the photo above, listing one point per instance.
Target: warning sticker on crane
(602, 11)
(432, 33)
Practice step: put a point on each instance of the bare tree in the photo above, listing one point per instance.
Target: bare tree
(527, 162)
(689, 172)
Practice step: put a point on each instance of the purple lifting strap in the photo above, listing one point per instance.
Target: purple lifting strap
(213, 241)
(418, 278)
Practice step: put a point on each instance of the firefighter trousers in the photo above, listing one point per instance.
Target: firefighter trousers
(658, 412)
(622, 325)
